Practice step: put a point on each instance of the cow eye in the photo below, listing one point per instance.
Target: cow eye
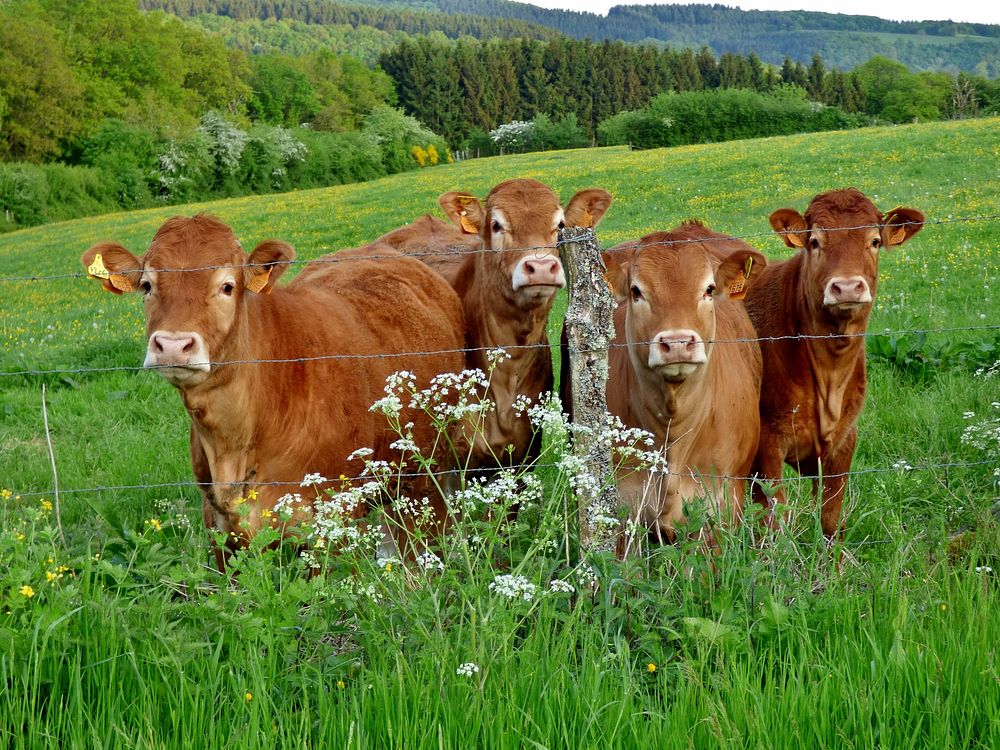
(145, 287)
(636, 293)
(227, 288)
(497, 228)
(562, 224)
(814, 243)
(876, 243)
(710, 290)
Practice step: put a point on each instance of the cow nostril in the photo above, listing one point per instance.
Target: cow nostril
(188, 345)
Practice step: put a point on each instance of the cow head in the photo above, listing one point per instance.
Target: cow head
(669, 283)
(840, 237)
(519, 227)
(192, 280)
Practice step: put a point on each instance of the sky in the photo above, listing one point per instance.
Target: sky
(975, 11)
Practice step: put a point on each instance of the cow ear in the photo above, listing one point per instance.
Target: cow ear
(587, 207)
(465, 210)
(265, 264)
(900, 224)
(790, 225)
(737, 272)
(118, 270)
(616, 274)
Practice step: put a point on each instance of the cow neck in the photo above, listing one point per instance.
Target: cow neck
(676, 409)
(833, 362)
(220, 409)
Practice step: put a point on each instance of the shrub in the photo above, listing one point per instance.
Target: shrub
(562, 133)
(396, 134)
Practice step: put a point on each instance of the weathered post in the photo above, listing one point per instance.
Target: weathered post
(589, 331)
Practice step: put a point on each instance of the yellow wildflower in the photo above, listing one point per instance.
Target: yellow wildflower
(248, 697)
(651, 667)
(6, 494)
(252, 495)
(46, 505)
(155, 523)
(27, 592)
(340, 684)
(51, 576)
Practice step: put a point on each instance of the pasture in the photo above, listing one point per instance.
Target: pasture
(121, 635)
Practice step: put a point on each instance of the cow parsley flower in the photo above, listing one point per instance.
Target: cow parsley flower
(513, 587)
(311, 480)
(557, 586)
(467, 670)
(429, 562)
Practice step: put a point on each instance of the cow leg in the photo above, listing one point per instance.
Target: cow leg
(769, 467)
(835, 468)
(203, 476)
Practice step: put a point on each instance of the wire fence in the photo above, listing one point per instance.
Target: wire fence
(459, 250)
(901, 466)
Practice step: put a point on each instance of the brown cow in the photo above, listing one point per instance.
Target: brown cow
(440, 244)
(815, 386)
(684, 366)
(507, 291)
(213, 312)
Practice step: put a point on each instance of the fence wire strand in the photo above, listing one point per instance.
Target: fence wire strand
(459, 250)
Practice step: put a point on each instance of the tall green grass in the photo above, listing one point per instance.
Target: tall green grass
(136, 642)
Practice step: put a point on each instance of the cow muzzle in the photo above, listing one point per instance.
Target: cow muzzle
(181, 357)
(847, 294)
(676, 354)
(542, 271)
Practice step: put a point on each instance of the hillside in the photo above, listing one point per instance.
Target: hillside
(843, 41)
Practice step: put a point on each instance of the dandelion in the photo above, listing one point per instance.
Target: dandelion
(467, 670)
(26, 591)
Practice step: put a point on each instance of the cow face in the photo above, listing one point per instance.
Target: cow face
(670, 285)
(840, 237)
(192, 280)
(519, 227)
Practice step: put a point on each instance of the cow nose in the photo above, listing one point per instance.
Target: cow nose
(543, 270)
(681, 345)
(175, 347)
(847, 290)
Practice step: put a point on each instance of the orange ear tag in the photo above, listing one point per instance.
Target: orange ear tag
(258, 279)
(119, 282)
(467, 226)
(97, 269)
(738, 289)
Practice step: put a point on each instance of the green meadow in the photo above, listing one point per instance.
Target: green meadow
(115, 631)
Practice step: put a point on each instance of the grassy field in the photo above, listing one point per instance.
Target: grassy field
(122, 636)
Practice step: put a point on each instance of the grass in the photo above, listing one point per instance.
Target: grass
(135, 643)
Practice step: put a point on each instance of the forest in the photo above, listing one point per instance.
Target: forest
(105, 105)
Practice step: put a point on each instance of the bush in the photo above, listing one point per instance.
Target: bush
(127, 155)
(563, 133)
(720, 115)
(396, 134)
(31, 195)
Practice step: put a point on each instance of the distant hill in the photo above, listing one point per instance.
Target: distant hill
(843, 41)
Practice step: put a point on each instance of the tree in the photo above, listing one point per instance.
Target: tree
(42, 101)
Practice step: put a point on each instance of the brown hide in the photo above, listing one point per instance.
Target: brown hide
(518, 225)
(814, 388)
(440, 244)
(253, 424)
(684, 366)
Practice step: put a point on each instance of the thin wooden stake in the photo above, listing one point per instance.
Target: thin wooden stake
(55, 475)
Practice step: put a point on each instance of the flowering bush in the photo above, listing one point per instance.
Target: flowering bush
(513, 136)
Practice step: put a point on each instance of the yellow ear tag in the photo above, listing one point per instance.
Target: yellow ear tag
(587, 220)
(258, 279)
(97, 269)
(747, 266)
(467, 226)
(738, 289)
(795, 238)
(119, 282)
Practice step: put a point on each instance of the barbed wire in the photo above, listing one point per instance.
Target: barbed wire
(487, 349)
(902, 467)
(459, 250)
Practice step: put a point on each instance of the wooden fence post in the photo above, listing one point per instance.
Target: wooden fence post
(589, 331)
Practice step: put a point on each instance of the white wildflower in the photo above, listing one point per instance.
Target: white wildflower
(558, 586)
(429, 561)
(311, 480)
(467, 670)
(513, 587)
